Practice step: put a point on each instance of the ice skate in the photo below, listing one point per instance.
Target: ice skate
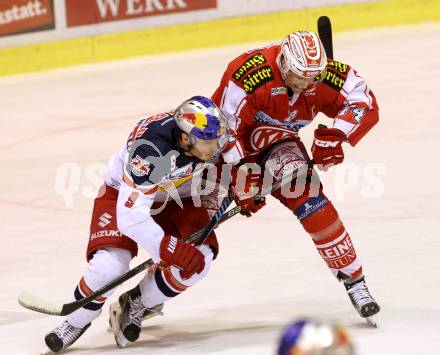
(63, 336)
(127, 314)
(362, 301)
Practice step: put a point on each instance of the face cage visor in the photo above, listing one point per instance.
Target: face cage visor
(301, 79)
(303, 84)
(222, 139)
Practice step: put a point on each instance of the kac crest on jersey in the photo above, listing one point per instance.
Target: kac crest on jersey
(262, 137)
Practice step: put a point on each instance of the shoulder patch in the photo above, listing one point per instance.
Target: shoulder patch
(336, 74)
(340, 67)
(278, 91)
(257, 78)
(140, 167)
(142, 126)
(249, 64)
(334, 80)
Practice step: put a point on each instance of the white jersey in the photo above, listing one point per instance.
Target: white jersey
(151, 167)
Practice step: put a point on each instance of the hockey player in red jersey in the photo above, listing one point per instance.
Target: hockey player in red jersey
(268, 95)
(162, 155)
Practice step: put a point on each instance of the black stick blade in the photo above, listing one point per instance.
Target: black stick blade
(325, 33)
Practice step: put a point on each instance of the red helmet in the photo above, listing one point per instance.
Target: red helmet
(303, 54)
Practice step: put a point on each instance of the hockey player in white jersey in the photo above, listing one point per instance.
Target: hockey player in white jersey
(163, 153)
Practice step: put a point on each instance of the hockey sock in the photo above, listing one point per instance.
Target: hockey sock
(89, 312)
(163, 285)
(320, 219)
(160, 287)
(106, 265)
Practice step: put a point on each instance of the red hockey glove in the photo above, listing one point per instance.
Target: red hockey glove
(184, 256)
(327, 147)
(245, 185)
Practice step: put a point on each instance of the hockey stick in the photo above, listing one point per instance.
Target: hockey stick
(38, 304)
(199, 240)
(325, 33)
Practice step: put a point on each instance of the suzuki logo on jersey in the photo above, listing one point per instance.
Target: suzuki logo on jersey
(104, 220)
(106, 233)
(264, 136)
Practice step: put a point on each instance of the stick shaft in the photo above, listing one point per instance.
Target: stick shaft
(325, 33)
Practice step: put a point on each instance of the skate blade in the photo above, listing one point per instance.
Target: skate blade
(152, 314)
(46, 351)
(115, 315)
(120, 340)
(371, 321)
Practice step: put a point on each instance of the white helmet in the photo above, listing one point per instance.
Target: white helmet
(303, 54)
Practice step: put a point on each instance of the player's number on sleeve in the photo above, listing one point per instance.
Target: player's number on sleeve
(357, 112)
(132, 199)
(173, 162)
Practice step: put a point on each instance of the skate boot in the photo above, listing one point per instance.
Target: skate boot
(127, 314)
(362, 301)
(63, 336)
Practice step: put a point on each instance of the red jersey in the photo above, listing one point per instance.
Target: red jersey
(263, 110)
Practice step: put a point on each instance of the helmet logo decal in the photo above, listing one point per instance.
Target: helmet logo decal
(200, 118)
(303, 54)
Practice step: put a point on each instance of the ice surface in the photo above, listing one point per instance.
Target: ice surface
(268, 272)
